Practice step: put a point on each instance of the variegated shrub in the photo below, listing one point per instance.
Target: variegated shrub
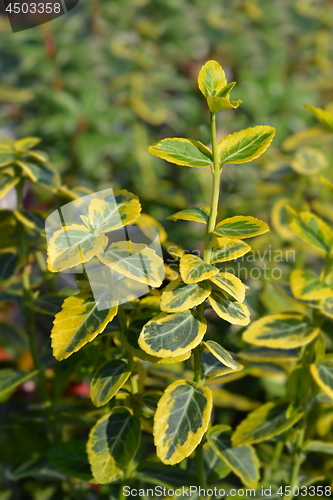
(138, 399)
(166, 327)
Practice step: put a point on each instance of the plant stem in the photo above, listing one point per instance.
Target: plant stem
(122, 317)
(297, 460)
(199, 465)
(197, 363)
(215, 192)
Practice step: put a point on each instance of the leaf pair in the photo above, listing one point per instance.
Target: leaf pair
(240, 147)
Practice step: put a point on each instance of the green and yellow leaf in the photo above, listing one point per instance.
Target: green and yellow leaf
(266, 355)
(233, 312)
(211, 366)
(113, 210)
(169, 335)
(211, 79)
(113, 443)
(146, 220)
(43, 174)
(107, 380)
(181, 419)
(78, 323)
(219, 103)
(229, 283)
(270, 420)
(7, 182)
(313, 231)
(135, 261)
(221, 354)
(319, 447)
(26, 143)
(224, 249)
(308, 161)
(179, 296)
(282, 331)
(241, 227)
(73, 245)
(186, 152)
(245, 145)
(196, 214)
(328, 184)
(242, 460)
(325, 117)
(10, 379)
(323, 375)
(308, 286)
(193, 269)
(130, 339)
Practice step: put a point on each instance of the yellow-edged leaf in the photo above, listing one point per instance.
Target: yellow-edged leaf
(325, 117)
(224, 249)
(135, 261)
(328, 184)
(211, 79)
(78, 323)
(242, 460)
(179, 296)
(233, 312)
(282, 331)
(323, 375)
(266, 355)
(241, 227)
(308, 161)
(270, 420)
(196, 214)
(181, 419)
(108, 379)
(73, 245)
(113, 443)
(193, 269)
(169, 335)
(43, 174)
(113, 210)
(7, 182)
(308, 286)
(229, 283)
(313, 231)
(186, 152)
(26, 143)
(245, 145)
(221, 354)
(146, 220)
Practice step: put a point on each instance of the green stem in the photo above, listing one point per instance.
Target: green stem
(122, 318)
(197, 363)
(199, 465)
(127, 475)
(297, 461)
(215, 192)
